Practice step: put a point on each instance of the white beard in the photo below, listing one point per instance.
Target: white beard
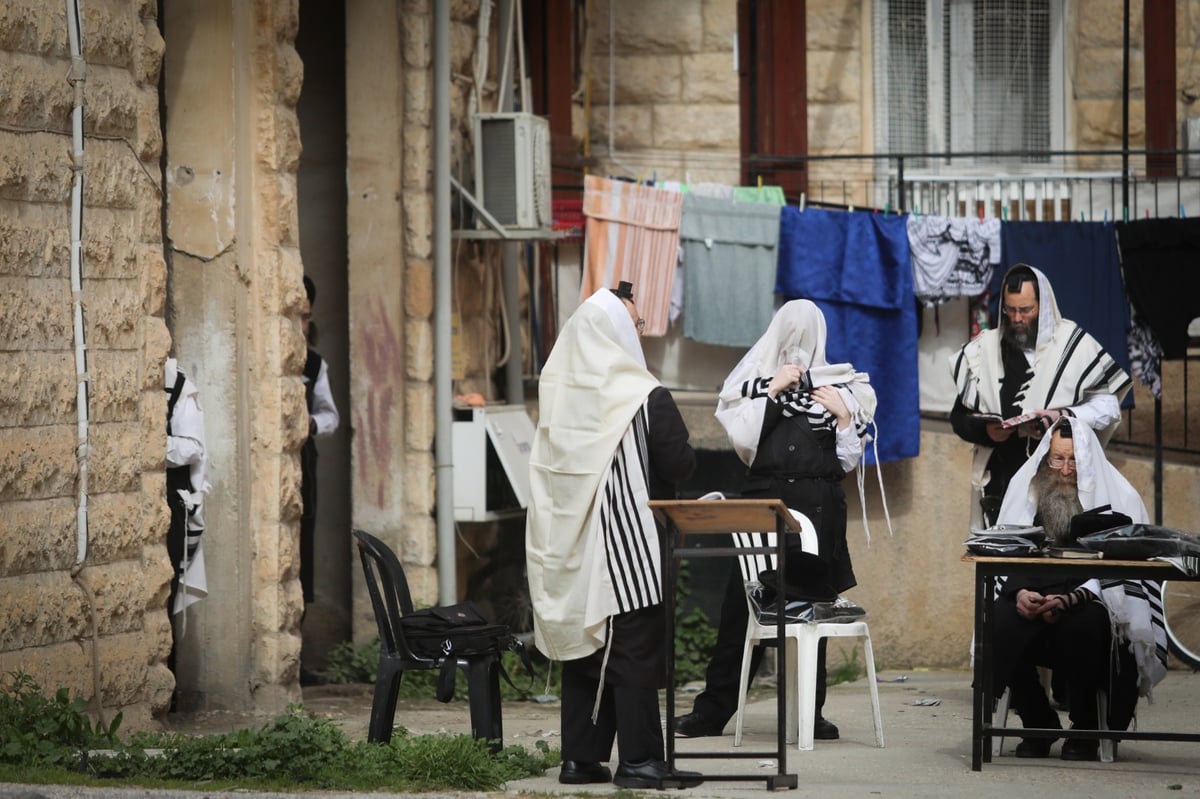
(1057, 504)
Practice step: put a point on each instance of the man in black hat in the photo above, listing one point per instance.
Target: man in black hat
(609, 438)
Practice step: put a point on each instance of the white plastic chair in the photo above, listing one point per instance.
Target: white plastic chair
(1107, 747)
(802, 641)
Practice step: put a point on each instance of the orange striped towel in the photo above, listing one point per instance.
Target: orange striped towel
(632, 234)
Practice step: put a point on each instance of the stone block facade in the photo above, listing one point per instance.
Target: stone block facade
(221, 289)
(54, 577)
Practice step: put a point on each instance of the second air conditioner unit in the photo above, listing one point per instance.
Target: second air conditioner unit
(512, 168)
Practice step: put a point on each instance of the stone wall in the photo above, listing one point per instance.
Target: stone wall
(49, 597)
(674, 89)
(1094, 72)
(231, 84)
(391, 274)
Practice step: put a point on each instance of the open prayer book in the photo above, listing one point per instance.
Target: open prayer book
(1012, 421)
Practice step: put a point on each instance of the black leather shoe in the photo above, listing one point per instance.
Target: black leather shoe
(825, 730)
(576, 772)
(694, 725)
(1035, 747)
(654, 774)
(1080, 749)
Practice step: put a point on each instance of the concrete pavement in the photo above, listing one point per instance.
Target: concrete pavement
(927, 751)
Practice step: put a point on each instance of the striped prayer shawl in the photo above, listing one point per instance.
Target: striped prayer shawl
(630, 537)
(632, 234)
(1136, 612)
(800, 403)
(1135, 607)
(1072, 367)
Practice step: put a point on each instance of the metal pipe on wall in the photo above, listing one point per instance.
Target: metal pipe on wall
(514, 386)
(442, 373)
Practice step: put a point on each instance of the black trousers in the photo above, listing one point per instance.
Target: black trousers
(1076, 647)
(627, 713)
(308, 518)
(718, 701)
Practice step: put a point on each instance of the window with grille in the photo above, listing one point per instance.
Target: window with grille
(968, 76)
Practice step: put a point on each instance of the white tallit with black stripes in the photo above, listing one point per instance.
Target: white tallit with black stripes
(798, 325)
(1068, 367)
(1134, 606)
(592, 548)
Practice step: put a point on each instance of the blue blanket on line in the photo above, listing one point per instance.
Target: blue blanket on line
(1083, 263)
(856, 267)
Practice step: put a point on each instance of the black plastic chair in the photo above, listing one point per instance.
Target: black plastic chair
(391, 600)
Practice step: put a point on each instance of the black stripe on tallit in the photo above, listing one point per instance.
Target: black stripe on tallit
(1068, 353)
(622, 560)
(1151, 592)
(628, 561)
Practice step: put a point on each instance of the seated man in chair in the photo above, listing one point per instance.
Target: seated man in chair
(1069, 626)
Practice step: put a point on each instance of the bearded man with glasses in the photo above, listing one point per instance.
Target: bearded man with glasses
(1035, 362)
(1093, 634)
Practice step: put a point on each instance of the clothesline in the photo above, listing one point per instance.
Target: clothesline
(721, 264)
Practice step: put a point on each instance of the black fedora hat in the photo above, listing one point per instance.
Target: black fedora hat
(806, 577)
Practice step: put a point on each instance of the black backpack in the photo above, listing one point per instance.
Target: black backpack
(459, 631)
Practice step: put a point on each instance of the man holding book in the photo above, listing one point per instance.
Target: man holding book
(1036, 362)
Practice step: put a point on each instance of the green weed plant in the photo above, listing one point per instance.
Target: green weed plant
(52, 740)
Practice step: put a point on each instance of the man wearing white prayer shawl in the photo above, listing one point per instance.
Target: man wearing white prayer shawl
(1095, 634)
(798, 423)
(187, 486)
(609, 438)
(1034, 362)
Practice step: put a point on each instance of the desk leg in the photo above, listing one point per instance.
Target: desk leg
(782, 672)
(668, 592)
(978, 685)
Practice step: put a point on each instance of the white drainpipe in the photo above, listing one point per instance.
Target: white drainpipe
(77, 77)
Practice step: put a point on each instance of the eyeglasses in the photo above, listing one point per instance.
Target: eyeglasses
(1024, 310)
(640, 324)
(1058, 461)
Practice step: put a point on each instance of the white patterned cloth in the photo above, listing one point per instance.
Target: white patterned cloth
(952, 256)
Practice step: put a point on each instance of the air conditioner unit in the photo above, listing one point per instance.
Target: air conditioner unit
(512, 168)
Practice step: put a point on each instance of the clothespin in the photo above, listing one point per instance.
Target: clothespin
(850, 209)
(1147, 213)
(1081, 217)
(887, 209)
(1004, 213)
(654, 178)
(802, 199)
(980, 212)
(916, 212)
(1125, 213)
(1106, 216)
(760, 187)
(1182, 212)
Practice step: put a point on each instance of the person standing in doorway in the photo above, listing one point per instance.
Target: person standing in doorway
(322, 421)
